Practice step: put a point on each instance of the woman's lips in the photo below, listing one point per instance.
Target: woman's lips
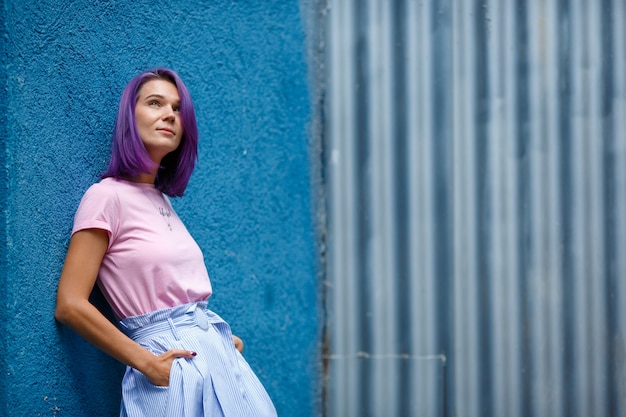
(166, 131)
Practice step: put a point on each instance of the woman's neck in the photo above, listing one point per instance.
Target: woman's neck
(144, 178)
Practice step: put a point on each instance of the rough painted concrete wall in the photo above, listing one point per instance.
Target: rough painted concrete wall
(3, 192)
(64, 65)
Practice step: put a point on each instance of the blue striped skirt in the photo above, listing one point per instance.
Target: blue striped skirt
(217, 382)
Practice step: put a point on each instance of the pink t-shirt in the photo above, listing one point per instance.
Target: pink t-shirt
(152, 261)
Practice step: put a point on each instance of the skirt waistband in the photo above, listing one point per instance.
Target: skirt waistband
(170, 319)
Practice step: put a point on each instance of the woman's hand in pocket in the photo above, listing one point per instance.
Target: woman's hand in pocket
(158, 371)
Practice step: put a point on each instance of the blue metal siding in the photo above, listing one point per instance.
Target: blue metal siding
(476, 174)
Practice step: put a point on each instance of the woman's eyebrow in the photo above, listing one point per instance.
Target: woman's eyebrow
(154, 96)
(159, 96)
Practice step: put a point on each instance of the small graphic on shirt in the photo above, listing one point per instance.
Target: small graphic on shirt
(166, 213)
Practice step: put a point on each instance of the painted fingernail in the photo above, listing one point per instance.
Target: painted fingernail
(193, 353)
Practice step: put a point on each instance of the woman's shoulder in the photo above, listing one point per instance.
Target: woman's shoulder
(99, 208)
(106, 186)
(111, 184)
(118, 189)
(107, 189)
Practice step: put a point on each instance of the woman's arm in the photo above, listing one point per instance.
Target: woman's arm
(85, 253)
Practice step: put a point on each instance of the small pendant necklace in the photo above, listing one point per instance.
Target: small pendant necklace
(165, 212)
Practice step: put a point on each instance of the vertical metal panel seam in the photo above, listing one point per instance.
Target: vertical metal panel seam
(466, 298)
(618, 123)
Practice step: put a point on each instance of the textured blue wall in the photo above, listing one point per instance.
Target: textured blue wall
(249, 204)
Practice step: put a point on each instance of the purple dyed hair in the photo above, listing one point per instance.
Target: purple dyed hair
(129, 157)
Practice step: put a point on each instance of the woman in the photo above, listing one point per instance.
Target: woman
(182, 359)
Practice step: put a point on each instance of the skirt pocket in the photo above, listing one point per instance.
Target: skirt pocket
(140, 397)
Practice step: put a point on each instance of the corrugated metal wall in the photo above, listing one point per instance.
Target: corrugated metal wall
(475, 159)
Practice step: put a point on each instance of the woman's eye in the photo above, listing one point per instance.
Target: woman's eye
(153, 104)
(176, 109)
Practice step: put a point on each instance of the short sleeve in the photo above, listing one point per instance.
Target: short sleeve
(98, 209)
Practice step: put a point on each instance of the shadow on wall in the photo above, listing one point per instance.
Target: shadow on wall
(95, 375)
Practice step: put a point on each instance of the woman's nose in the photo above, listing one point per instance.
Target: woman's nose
(169, 112)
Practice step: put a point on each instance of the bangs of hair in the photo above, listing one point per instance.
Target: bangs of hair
(129, 157)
